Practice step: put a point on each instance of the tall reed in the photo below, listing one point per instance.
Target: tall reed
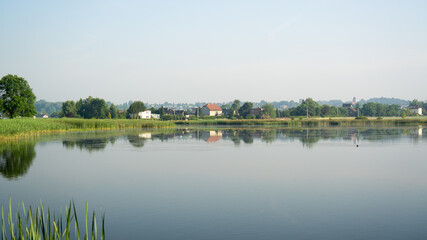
(42, 225)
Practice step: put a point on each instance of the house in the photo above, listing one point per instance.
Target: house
(416, 110)
(174, 112)
(211, 110)
(145, 114)
(45, 116)
(155, 116)
(256, 111)
(351, 108)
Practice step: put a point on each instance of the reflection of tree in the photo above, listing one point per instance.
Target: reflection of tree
(269, 135)
(136, 141)
(90, 144)
(246, 136)
(16, 158)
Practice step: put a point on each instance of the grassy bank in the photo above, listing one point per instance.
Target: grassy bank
(15, 128)
(312, 122)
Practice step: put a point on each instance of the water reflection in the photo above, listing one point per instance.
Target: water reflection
(16, 158)
(308, 137)
(90, 144)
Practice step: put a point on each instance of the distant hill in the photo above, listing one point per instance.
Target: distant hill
(44, 107)
(383, 100)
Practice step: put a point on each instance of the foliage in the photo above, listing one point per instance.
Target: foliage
(114, 113)
(244, 110)
(39, 224)
(92, 108)
(308, 107)
(16, 97)
(135, 108)
(236, 104)
(69, 109)
(268, 111)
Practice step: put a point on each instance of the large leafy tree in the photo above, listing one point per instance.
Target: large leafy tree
(135, 108)
(92, 108)
(16, 97)
(69, 109)
(268, 111)
(244, 110)
(308, 107)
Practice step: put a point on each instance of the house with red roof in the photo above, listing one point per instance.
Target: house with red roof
(211, 110)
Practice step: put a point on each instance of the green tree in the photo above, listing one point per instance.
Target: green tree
(69, 109)
(308, 107)
(415, 103)
(268, 111)
(16, 97)
(92, 108)
(113, 111)
(244, 110)
(236, 104)
(369, 109)
(135, 108)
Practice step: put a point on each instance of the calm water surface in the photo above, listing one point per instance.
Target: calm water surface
(335, 183)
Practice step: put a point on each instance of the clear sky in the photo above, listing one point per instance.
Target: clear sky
(215, 51)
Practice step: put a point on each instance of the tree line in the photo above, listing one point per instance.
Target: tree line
(17, 99)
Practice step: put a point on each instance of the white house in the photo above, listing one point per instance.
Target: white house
(145, 114)
(155, 116)
(416, 110)
(211, 110)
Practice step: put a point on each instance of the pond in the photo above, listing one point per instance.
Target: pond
(230, 183)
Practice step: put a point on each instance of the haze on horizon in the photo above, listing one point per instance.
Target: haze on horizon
(216, 51)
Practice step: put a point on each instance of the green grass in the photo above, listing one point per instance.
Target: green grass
(42, 225)
(13, 128)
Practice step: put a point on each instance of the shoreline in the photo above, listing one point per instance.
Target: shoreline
(15, 129)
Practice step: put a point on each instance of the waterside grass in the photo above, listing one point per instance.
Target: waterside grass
(42, 225)
(21, 127)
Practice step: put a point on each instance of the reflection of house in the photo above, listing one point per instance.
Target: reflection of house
(255, 111)
(146, 135)
(212, 136)
(351, 107)
(145, 114)
(416, 110)
(211, 110)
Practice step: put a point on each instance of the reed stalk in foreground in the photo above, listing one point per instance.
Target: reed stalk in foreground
(39, 225)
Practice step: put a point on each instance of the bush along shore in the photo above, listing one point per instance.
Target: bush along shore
(22, 127)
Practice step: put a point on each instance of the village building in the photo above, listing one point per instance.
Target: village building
(145, 114)
(174, 112)
(211, 110)
(351, 108)
(256, 111)
(416, 110)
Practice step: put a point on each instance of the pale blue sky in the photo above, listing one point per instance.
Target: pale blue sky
(188, 51)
